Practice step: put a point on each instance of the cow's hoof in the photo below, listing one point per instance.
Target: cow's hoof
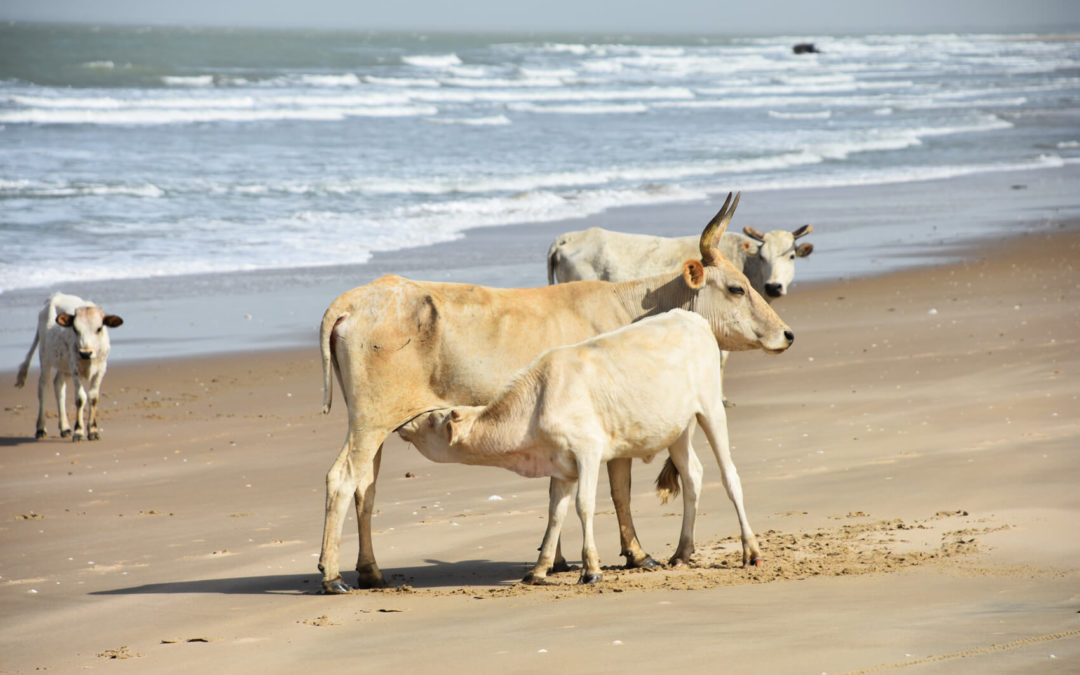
(531, 579)
(561, 566)
(335, 587)
(94, 436)
(370, 577)
(677, 562)
(756, 562)
(64, 433)
(647, 563)
(728, 404)
(77, 437)
(590, 579)
(40, 434)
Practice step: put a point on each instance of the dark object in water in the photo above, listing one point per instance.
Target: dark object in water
(805, 48)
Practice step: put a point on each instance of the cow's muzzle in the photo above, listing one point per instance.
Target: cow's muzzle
(774, 290)
(86, 354)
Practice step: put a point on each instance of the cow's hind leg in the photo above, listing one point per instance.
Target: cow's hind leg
(690, 470)
(43, 385)
(715, 427)
(558, 498)
(619, 478)
(367, 570)
(351, 475)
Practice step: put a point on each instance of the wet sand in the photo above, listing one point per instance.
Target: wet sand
(910, 465)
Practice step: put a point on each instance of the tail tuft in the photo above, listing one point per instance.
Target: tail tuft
(667, 482)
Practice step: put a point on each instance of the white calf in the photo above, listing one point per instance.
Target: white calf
(73, 335)
(625, 394)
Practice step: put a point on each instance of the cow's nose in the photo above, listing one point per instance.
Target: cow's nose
(790, 336)
(774, 290)
(86, 354)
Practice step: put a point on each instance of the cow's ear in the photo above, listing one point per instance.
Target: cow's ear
(804, 250)
(693, 272)
(112, 321)
(750, 247)
(65, 320)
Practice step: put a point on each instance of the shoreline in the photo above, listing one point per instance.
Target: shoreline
(860, 231)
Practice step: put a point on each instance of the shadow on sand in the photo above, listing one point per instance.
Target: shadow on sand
(436, 574)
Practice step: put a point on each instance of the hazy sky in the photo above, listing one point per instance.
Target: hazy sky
(795, 17)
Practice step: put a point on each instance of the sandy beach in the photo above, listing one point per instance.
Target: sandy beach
(909, 464)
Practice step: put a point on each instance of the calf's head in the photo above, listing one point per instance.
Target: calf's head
(434, 432)
(739, 316)
(90, 325)
(776, 253)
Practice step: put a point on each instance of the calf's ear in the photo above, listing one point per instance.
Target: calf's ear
(65, 320)
(693, 272)
(112, 321)
(451, 431)
(804, 250)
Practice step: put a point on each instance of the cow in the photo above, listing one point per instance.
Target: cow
(625, 394)
(73, 335)
(400, 348)
(767, 260)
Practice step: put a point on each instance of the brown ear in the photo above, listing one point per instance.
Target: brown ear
(451, 432)
(753, 234)
(803, 250)
(693, 273)
(750, 247)
(112, 321)
(803, 231)
(65, 320)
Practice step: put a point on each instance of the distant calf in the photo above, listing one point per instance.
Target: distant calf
(629, 393)
(73, 335)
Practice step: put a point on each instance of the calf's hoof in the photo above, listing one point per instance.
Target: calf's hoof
(532, 579)
(335, 586)
(39, 434)
(646, 563)
(589, 578)
(94, 436)
(64, 433)
(677, 561)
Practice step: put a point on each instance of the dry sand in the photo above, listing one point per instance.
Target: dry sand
(911, 466)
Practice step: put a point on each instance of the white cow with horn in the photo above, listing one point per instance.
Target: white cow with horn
(626, 394)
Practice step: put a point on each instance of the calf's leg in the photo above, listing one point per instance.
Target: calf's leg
(588, 474)
(559, 492)
(715, 427)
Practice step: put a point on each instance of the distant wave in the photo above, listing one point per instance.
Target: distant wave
(495, 120)
(820, 115)
(432, 61)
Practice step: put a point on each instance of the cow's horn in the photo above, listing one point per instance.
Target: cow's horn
(715, 229)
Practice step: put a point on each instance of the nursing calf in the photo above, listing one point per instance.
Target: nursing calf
(626, 394)
(73, 335)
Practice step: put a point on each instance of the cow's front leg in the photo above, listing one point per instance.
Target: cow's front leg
(93, 432)
(80, 410)
(559, 493)
(619, 478)
(60, 390)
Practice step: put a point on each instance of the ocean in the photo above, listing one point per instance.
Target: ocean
(170, 154)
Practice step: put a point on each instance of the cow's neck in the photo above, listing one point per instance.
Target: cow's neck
(654, 295)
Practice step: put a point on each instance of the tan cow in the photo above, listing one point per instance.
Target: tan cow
(401, 348)
(627, 394)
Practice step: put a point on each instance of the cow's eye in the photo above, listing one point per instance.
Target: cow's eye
(736, 290)
(99, 329)
(791, 257)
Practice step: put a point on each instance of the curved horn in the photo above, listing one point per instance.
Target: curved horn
(715, 229)
(754, 234)
(803, 231)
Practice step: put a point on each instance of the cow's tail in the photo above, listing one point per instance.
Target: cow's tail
(667, 482)
(330, 322)
(553, 260)
(20, 377)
